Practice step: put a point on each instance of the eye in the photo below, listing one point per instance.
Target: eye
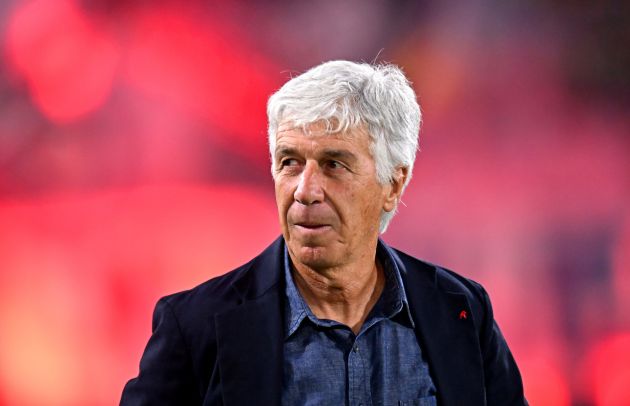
(335, 165)
(288, 162)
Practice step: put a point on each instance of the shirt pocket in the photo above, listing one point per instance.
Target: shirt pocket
(426, 401)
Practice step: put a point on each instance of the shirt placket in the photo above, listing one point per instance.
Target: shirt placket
(357, 386)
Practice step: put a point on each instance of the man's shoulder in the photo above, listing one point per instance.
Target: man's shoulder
(211, 296)
(441, 278)
(421, 278)
(228, 290)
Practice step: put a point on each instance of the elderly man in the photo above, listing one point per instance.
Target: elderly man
(329, 314)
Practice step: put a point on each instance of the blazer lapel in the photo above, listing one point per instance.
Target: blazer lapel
(447, 335)
(249, 336)
(249, 352)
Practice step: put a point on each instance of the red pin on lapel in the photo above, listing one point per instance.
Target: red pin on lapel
(463, 315)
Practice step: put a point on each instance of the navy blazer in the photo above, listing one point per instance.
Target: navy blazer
(221, 342)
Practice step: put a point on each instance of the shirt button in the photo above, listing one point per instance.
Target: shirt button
(356, 349)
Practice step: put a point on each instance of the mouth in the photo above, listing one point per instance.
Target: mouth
(311, 226)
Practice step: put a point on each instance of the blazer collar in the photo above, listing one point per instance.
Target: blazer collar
(262, 273)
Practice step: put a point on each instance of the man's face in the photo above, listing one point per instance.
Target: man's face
(328, 197)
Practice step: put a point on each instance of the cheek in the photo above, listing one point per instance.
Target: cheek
(284, 198)
(280, 187)
(370, 202)
(357, 206)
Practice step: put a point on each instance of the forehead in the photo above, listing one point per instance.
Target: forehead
(317, 134)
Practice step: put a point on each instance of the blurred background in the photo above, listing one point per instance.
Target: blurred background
(133, 164)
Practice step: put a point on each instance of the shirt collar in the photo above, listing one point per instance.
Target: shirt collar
(295, 308)
(393, 300)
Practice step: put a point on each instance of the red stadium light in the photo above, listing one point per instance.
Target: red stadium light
(609, 371)
(68, 63)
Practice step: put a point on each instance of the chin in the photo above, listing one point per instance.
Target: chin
(315, 257)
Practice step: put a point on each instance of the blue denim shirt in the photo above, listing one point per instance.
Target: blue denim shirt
(325, 363)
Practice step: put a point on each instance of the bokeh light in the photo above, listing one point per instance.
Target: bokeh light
(66, 59)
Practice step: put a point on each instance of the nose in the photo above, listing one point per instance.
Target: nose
(310, 188)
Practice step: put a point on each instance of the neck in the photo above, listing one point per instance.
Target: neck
(345, 294)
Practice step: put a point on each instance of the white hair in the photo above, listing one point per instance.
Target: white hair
(345, 95)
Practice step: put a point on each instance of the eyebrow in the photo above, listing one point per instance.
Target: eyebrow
(337, 154)
(340, 154)
(284, 151)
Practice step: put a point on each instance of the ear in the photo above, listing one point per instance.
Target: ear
(395, 188)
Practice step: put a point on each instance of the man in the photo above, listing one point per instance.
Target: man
(329, 314)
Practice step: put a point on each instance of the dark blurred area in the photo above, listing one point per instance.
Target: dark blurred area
(134, 163)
